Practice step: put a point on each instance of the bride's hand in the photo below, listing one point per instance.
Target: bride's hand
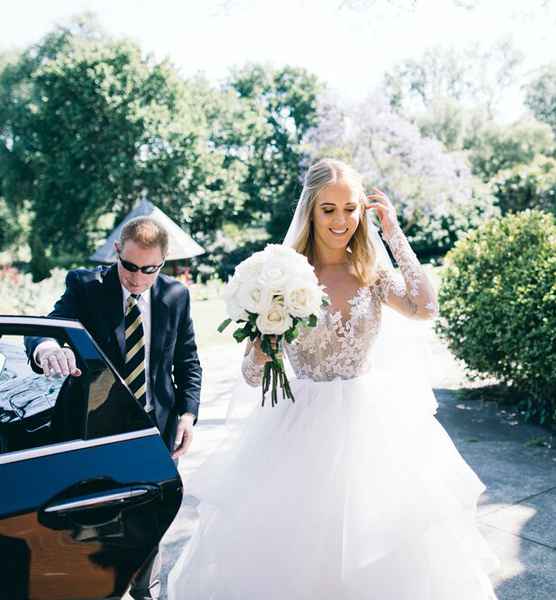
(384, 209)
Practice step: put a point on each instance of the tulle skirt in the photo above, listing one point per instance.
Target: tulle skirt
(355, 491)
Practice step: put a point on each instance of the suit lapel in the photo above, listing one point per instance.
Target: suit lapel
(159, 314)
(113, 306)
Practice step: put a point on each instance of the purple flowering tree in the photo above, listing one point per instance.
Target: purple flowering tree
(434, 190)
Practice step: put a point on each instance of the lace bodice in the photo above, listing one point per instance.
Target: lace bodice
(335, 348)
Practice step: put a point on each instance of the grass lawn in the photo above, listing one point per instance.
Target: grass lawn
(207, 316)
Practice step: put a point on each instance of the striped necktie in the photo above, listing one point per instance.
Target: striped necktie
(135, 350)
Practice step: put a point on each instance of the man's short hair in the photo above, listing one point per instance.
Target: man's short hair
(146, 232)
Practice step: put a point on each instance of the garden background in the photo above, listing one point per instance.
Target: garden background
(214, 110)
(460, 134)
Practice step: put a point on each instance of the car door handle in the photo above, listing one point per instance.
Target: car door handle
(115, 497)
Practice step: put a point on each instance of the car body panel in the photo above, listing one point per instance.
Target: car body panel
(78, 516)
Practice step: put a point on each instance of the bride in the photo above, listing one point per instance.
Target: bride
(355, 491)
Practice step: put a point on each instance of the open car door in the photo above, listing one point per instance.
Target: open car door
(87, 486)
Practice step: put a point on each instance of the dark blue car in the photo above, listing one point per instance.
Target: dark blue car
(87, 487)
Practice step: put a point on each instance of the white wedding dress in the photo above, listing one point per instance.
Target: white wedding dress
(353, 492)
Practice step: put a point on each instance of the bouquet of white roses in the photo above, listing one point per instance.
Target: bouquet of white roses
(271, 295)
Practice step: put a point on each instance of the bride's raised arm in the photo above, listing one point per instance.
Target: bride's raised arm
(412, 293)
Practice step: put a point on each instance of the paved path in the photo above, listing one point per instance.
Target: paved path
(517, 462)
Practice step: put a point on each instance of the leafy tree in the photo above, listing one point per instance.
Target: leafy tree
(473, 77)
(527, 186)
(284, 102)
(540, 95)
(493, 148)
(447, 121)
(87, 123)
(212, 177)
(10, 231)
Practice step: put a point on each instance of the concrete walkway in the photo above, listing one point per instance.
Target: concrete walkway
(517, 463)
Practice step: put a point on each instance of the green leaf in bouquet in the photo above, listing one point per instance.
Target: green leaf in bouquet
(223, 325)
(241, 334)
(292, 333)
(312, 321)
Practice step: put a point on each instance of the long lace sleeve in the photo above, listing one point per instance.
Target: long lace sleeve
(412, 294)
(252, 372)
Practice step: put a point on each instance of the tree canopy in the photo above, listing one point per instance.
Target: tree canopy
(540, 95)
(285, 102)
(475, 77)
(88, 123)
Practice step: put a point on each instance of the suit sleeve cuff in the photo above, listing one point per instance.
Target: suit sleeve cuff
(191, 411)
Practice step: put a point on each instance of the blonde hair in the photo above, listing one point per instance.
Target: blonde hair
(146, 232)
(321, 174)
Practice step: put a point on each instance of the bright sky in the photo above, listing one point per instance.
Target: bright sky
(349, 49)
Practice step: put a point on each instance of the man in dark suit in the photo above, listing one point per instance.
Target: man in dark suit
(142, 321)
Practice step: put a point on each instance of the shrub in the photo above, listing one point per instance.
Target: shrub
(20, 296)
(498, 306)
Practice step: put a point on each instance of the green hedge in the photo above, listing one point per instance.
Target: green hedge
(498, 306)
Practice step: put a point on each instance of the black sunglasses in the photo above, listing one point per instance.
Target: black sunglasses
(148, 269)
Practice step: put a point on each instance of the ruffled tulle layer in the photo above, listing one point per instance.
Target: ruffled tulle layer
(353, 492)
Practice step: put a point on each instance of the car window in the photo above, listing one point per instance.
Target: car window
(37, 411)
(111, 409)
(26, 399)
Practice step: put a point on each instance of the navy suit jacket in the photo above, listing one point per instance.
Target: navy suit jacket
(94, 297)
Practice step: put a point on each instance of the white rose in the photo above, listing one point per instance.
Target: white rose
(280, 251)
(301, 299)
(230, 297)
(253, 297)
(306, 270)
(276, 273)
(297, 263)
(307, 273)
(250, 268)
(275, 321)
(231, 288)
(235, 311)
